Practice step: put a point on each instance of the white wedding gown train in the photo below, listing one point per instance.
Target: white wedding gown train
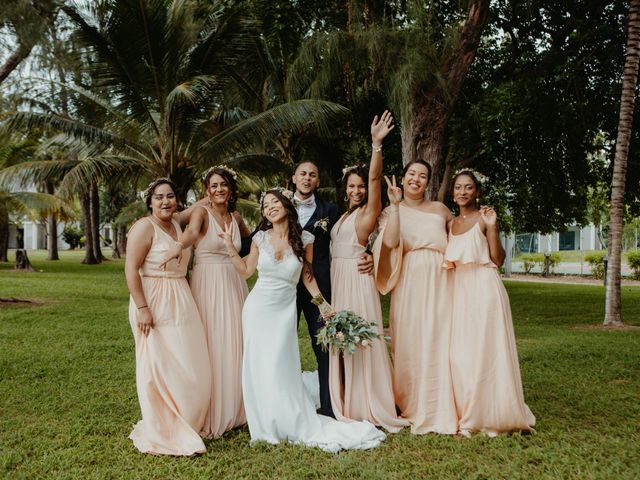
(277, 405)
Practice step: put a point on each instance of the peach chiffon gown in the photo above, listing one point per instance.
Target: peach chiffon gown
(173, 377)
(365, 392)
(484, 359)
(219, 291)
(420, 319)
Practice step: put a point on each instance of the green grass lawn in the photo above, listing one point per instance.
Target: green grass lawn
(68, 398)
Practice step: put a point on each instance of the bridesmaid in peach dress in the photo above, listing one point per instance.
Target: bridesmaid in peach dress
(360, 384)
(219, 291)
(172, 367)
(408, 254)
(484, 359)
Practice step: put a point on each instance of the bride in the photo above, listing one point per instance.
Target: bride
(277, 405)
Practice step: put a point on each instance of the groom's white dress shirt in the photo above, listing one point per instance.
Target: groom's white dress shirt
(305, 208)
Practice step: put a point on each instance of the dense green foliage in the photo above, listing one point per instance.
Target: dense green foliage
(68, 399)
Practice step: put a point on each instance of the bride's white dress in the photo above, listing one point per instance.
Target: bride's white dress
(277, 405)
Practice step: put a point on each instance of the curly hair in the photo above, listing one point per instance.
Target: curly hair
(231, 181)
(363, 172)
(148, 193)
(295, 230)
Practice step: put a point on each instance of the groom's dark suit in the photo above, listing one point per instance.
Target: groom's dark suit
(321, 271)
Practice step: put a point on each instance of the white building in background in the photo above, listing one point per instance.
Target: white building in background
(34, 235)
(575, 238)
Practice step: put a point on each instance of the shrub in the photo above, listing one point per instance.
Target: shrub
(597, 264)
(633, 260)
(530, 260)
(72, 236)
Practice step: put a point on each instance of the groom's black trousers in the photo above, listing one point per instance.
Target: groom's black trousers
(314, 322)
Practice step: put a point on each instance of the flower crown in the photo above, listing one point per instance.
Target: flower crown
(284, 191)
(149, 190)
(479, 176)
(230, 170)
(352, 168)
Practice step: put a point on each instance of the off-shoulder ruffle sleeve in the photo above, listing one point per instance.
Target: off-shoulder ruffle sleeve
(307, 238)
(387, 261)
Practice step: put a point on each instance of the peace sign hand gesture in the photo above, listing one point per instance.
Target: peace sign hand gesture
(393, 191)
(381, 128)
(227, 236)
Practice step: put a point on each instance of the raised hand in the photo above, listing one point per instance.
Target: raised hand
(393, 191)
(488, 215)
(381, 128)
(174, 252)
(145, 321)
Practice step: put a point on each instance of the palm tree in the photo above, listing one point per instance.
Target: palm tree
(159, 73)
(13, 201)
(613, 315)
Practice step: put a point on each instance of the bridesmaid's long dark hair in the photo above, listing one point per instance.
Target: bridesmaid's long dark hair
(295, 230)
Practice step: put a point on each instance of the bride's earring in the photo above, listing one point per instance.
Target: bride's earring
(346, 198)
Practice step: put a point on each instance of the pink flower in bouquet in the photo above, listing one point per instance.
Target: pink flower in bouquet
(340, 336)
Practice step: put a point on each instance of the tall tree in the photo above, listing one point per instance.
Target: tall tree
(418, 56)
(23, 22)
(159, 72)
(613, 302)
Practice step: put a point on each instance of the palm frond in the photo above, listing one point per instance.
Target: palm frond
(86, 132)
(301, 116)
(37, 205)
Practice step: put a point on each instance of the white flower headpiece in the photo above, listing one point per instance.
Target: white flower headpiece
(147, 191)
(352, 168)
(479, 176)
(284, 191)
(231, 171)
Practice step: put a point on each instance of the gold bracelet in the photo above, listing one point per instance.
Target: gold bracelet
(318, 300)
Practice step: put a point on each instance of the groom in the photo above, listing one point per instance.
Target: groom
(318, 217)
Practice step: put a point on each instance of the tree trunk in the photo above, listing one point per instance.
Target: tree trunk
(122, 243)
(4, 232)
(613, 303)
(115, 248)
(12, 62)
(424, 133)
(22, 261)
(95, 222)
(52, 229)
(89, 256)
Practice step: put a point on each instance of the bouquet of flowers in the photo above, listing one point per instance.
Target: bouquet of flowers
(345, 331)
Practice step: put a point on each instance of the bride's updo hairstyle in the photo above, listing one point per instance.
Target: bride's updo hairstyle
(295, 230)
